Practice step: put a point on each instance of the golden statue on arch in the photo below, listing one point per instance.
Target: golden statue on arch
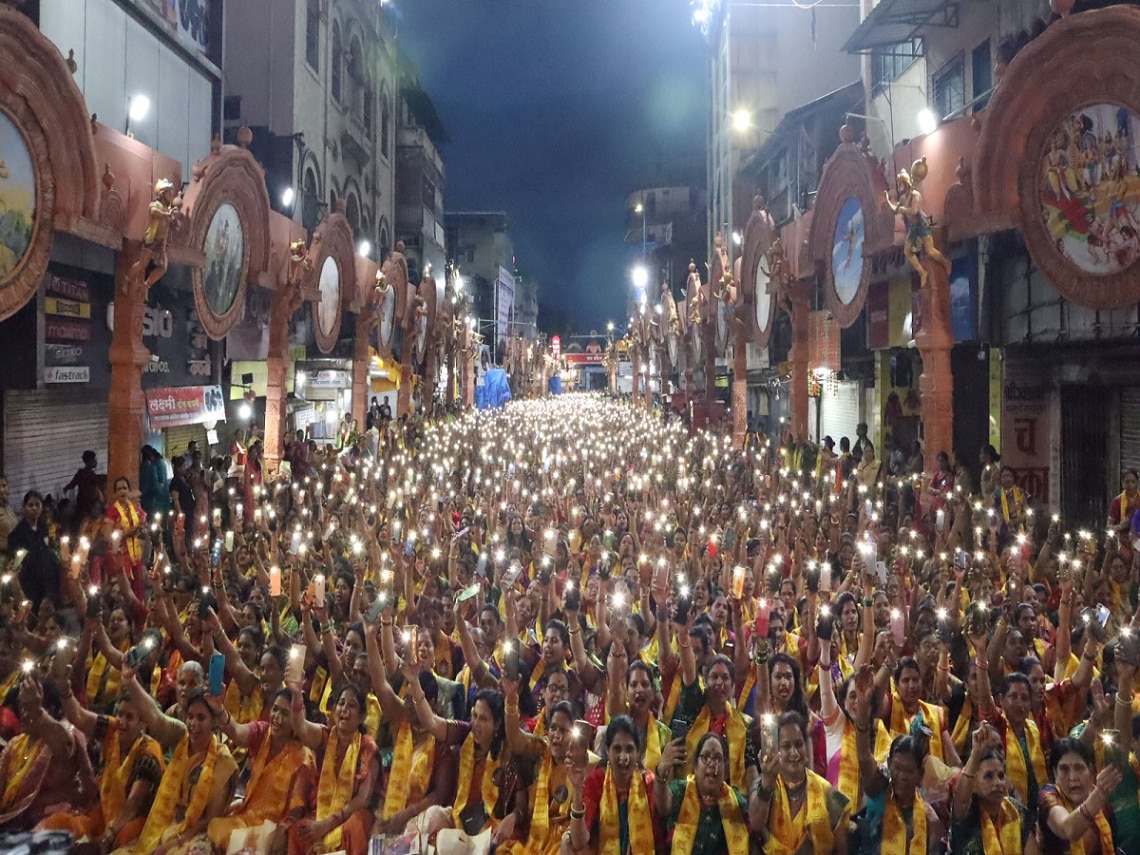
(164, 209)
(919, 235)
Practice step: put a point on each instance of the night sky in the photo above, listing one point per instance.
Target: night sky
(556, 110)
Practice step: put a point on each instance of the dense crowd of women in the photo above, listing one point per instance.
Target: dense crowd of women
(570, 627)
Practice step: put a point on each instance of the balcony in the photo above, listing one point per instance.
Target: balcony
(354, 141)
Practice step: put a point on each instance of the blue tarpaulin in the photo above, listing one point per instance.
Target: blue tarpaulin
(554, 385)
(495, 391)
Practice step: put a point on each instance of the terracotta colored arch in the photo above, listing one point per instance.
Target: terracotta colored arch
(230, 175)
(851, 172)
(1051, 78)
(333, 239)
(758, 236)
(44, 102)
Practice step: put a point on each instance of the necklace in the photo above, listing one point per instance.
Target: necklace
(796, 791)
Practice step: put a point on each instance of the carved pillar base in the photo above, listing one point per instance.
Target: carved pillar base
(360, 368)
(468, 382)
(799, 359)
(936, 384)
(739, 391)
(430, 369)
(127, 403)
(275, 407)
(404, 397)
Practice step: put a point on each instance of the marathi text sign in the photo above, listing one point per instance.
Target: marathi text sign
(1027, 434)
(186, 405)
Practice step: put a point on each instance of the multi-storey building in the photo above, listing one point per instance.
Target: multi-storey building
(317, 82)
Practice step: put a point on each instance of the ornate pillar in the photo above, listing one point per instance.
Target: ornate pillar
(285, 302)
(127, 404)
(934, 340)
(361, 363)
(739, 388)
(799, 360)
(635, 361)
(404, 397)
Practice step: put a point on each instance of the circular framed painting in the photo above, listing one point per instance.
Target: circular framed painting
(387, 318)
(1090, 189)
(17, 197)
(847, 251)
(327, 309)
(225, 260)
(762, 304)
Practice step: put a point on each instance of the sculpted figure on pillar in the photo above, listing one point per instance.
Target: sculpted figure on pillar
(165, 211)
(300, 266)
(919, 235)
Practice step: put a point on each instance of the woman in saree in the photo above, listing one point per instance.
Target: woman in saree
(703, 814)
(985, 819)
(132, 771)
(488, 779)
(282, 773)
(603, 798)
(128, 521)
(896, 819)
(46, 759)
(1073, 814)
(349, 772)
(422, 774)
(549, 797)
(197, 787)
(796, 810)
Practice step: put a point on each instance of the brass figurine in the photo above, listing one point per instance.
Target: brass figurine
(165, 208)
(919, 236)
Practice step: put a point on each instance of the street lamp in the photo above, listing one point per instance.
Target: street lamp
(640, 277)
(741, 119)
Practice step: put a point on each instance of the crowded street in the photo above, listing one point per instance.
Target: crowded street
(570, 625)
(532, 427)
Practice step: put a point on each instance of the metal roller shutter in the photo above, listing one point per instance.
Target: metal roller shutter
(177, 440)
(1129, 429)
(840, 402)
(46, 432)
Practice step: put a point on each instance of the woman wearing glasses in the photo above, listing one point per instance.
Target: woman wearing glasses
(703, 814)
(796, 811)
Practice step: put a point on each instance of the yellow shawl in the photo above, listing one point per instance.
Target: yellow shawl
(736, 728)
(637, 813)
(788, 833)
(161, 819)
(735, 827)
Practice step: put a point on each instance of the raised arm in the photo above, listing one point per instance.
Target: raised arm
(167, 730)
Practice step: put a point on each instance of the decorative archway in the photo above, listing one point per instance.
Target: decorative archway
(45, 124)
(1051, 99)
(757, 301)
(335, 272)
(392, 302)
(228, 208)
(850, 223)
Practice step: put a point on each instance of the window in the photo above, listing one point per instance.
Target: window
(369, 98)
(311, 201)
(384, 241)
(231, 108)
(950, 88)
(335, 62)
(313, 34)
(982, 69)
(385, 121)
(888, 63)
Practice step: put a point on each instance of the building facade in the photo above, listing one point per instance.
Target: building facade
(316, 81)
(1012, 321)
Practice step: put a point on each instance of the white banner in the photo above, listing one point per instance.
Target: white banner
(506, 286)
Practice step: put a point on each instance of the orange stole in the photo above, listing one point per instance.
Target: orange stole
(278, 785)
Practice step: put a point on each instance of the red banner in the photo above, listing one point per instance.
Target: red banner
(585, 358)
(186, 405)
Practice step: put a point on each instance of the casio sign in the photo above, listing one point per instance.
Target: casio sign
(157, 323)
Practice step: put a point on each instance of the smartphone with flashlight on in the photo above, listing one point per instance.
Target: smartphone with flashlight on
(511, 662)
